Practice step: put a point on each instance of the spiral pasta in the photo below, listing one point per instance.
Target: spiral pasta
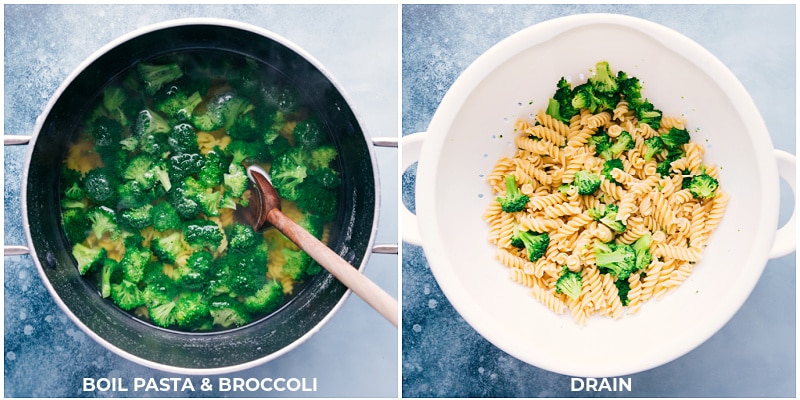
(649, 187)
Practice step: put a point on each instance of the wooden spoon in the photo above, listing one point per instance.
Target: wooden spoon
(265, 208)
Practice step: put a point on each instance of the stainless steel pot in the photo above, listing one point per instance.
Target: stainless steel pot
(352, 235)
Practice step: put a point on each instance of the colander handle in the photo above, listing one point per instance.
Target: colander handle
(410, 146)
(786, 238)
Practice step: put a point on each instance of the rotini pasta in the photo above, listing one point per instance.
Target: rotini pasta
(634, 235)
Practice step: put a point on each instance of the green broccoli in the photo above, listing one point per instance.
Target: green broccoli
(607, 215)
(309, 133)
(88, 257)
(560, 106)
(163, 314)
(703, 186)
(107, 133)
(181, 198)
(178, 105)
(534, 243)
(76, 224)
(242, 237)
(641, 247)
(154, 76)
(622, 143)
(150, 123)
(165, 217)
(603, 80)
(602, 144)
(513, 200)
(103, 220)
(287, 172)
(296, 263)
(569, 283)
(182, 165)
(617, 259)
(134, 262)
(182, 138)
(675, 137)
(266, 299)
(114, 98)
(214, 167)
(110, 265)
(647, 114)
(623, 288)
(100, 186)
(127, 295)
(317, 200)
(610, 165)
(228, 313)
(583, 96)
(202, 234)
(190, 309)
(136, 219)
(652, 147)
(167, 248)
(322, 156)
(235, 180)
(586, 182)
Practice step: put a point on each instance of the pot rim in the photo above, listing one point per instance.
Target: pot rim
(70, 78)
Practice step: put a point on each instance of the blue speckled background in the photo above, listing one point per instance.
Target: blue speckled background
(752, 356)
(45, 354)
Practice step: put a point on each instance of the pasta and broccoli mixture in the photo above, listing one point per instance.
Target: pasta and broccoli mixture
(152, 180)
(606, 204)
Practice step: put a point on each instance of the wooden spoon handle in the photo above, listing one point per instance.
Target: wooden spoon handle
(371, 293)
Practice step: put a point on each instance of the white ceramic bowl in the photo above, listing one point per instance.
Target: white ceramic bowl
(472, 129)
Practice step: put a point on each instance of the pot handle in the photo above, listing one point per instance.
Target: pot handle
(14, 140)
(411, 146)
(785, 238)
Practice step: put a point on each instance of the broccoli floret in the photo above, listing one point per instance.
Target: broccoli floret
(182, 138)
(130, 194)
(136, 219)
(235, 180)
(325, 177)
(74, 192)
(664, 167)
(267, 299)
(703, 186)
(309, 133)
(182, 165)
(202, 234)
(100, 186)
(277, 146)
(618, 259)
(134, 261)
(103, 220)
(234, 108)
(623, 142)
(88, 257)
(535, 243)
(168, 248)
(178, 105)
(586, 182)
(607, 215)
(610, 165)
(312, 224)
(675, 137)
(114, 98)
(603, 80)
(652, 147)
(569, 283)
(242, 237)
(513, 200)
(228, 313)
(214, 167)
(296, 263)
(140, 169)
(641, 247)
(190, 309)
(583, 97)
(244, 127)
(623, 288)
(163, 314)
(224, 106)
(165, 217)
(317, 200)
(630, 87)
(602, 144)
(127, 295)
(246, 271)
(109, 267)
(287, 172)
(76, 224)
(107, 133)
(149, 122)
(560, 105)
(181, 198)
(646, 113)
(154, 76)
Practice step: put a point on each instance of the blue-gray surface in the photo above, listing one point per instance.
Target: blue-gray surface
(46, 355)
(752, 356)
